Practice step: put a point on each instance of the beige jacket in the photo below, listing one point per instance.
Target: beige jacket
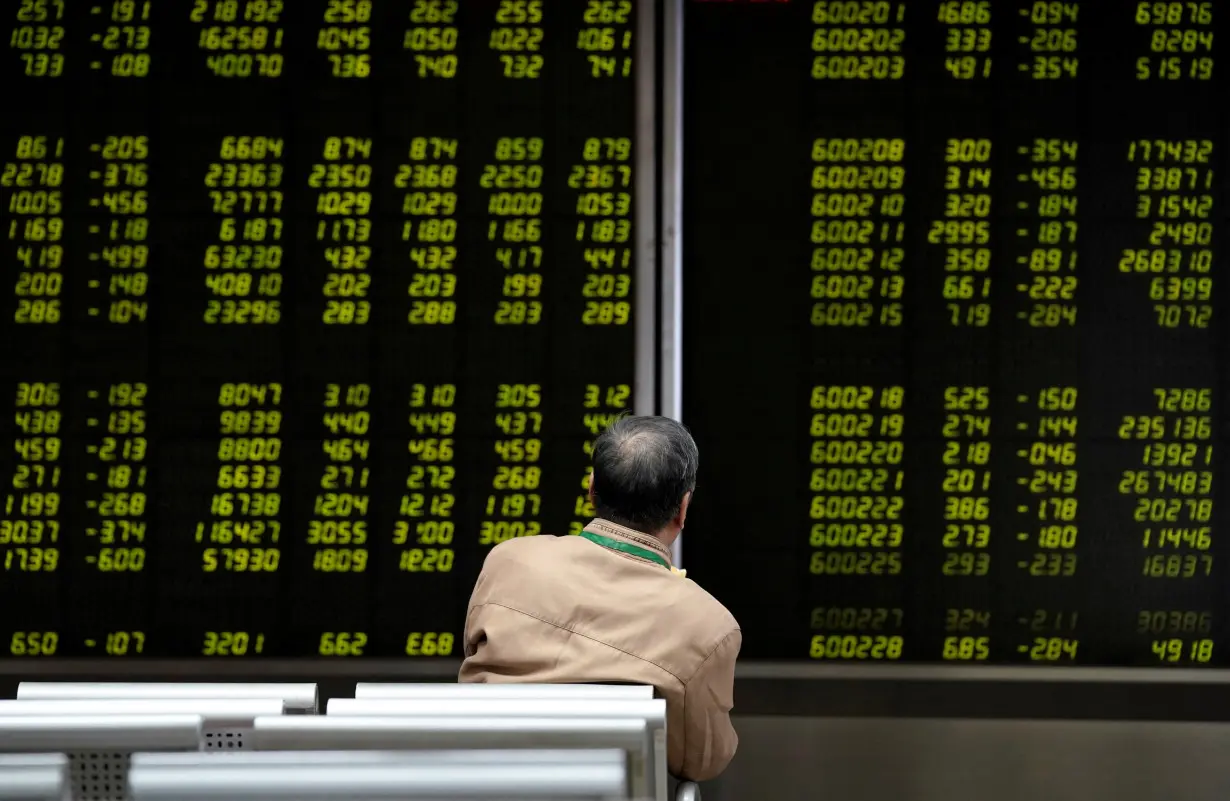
(564, 609)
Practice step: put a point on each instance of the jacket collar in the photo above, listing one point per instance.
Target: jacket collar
(631, 536)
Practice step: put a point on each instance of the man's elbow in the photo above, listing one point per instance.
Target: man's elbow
(714, 760)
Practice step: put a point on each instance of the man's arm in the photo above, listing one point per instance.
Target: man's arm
(473, 630)
(710, 740)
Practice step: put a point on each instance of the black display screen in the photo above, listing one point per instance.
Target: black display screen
(953, 351)
(309, 304)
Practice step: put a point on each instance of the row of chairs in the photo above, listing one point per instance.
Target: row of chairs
(205, 742)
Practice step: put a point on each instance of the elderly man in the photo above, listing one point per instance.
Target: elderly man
(606, 606)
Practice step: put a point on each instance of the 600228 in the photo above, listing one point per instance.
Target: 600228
(856, 646)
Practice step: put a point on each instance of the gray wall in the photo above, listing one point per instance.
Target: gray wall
(803, 759)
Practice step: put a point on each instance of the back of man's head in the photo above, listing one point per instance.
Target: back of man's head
(643, 467)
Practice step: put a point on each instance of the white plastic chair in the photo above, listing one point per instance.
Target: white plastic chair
(227, 721)
(653, 712)
(99, 747)
(33, 777)
(337, 733)
(298, 782)
(296, 698)
(430, 690)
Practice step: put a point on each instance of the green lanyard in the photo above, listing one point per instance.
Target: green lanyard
(616, 545)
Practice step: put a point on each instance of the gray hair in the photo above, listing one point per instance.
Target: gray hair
(643, 466)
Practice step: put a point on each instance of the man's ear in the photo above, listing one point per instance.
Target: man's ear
(590, 492)
(683, 508)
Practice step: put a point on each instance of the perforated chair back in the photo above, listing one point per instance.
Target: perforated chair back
(296, 698)
(226, 721)
(98, 748)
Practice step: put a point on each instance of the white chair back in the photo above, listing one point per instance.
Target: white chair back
(429, 690)
(299, 782)
(99, 747)
(348, 733)
(296, 698)
(227, 721)
(33, 777)
(478, 756)
(653, 712)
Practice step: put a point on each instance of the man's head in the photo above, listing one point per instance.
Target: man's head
(644, 474)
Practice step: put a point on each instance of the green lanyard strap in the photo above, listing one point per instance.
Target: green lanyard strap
(616, 545)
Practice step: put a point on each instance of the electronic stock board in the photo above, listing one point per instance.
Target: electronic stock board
(953, 351)
(308, 304)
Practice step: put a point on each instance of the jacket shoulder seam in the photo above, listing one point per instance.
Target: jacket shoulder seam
(570, 630)
(710, 655)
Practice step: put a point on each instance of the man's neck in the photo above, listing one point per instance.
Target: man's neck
(666, 536)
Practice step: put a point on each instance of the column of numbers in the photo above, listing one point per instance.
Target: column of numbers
(125, 229)
(36, 225)
(347, 38)
(856, 511)
(120, 504)
(513, 502)
(1172, 501)
(242, 268)
(126, 39)
(1174, 185)
(607, 38)
(1052, 258)
(429, 206)
(343, 206)
(966, 231)
(857, 203)
(965, 485)
(518, 38)
(432, 37)
(1048, 519)
(1052, 41)
(967, 38)
(29, 523)
(604, 178)
(514, 209)
(338, 530)
(857, 514)
(242, 39)
(38, 37)
(424, 536)
(1052, 480)
(966, 480)
(1180, 41)
(243, 530)
(858, 42)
